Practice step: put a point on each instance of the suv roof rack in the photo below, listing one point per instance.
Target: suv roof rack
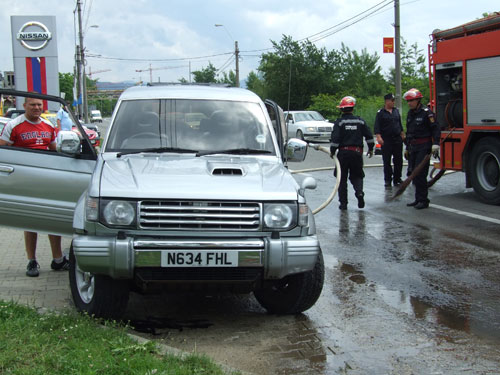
(188, 84)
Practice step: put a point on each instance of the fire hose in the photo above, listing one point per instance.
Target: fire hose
(337, 183)
(338, 176)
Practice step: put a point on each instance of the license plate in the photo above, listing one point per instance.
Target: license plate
(203, 258)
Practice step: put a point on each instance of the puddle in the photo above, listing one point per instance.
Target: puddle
(478, 316)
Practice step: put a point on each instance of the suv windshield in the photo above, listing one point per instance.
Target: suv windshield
(199, 125)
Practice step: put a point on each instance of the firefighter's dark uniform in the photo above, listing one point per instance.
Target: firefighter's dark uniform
(388, 125)
(422, 131)
(347, 137)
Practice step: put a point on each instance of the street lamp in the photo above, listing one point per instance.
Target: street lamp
(236, 53)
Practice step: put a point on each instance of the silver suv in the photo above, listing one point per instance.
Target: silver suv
(190, 190)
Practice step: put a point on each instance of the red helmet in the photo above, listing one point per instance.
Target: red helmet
(347, 102)
(412, 94)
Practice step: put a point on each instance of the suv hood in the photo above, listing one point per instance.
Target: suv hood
(207, 178)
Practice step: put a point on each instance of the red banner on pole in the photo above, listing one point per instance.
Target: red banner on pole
(388, 45)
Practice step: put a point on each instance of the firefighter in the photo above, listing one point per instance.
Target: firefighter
(422, 134)
(347, 138)
(389, 133)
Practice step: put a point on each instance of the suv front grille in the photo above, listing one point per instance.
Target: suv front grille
(189, 215)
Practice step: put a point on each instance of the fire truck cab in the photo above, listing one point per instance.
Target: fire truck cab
(464, 78)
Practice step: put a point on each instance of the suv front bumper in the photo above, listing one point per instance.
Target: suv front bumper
(118, 257)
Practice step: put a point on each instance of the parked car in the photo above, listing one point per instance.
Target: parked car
(168, 205)
(3, 121)
(51, 116)
(94, 137)
(308, 126)
(95, 116)
(94, 127)
(13, 113)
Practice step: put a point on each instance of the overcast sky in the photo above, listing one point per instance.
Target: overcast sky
(154, 29)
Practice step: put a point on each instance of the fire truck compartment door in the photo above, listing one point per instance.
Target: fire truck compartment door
(483, 91)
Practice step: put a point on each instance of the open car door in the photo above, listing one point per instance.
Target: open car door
(278, 120)
(39, 189)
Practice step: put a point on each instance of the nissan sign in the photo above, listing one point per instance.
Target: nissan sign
(25, 37)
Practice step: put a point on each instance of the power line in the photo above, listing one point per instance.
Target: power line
(343, 22)
(314, 40)
(387, 2)
(97, 56)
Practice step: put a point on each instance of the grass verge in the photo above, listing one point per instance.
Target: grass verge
(69, 343)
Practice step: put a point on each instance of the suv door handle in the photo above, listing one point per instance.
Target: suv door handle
(6, 168)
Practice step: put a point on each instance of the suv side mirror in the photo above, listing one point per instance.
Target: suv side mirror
(68, 143)
(296, 150)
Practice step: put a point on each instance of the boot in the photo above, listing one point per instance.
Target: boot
(361, 199)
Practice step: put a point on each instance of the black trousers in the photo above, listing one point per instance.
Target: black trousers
(392, 150)
(351, 166)
(417, 154)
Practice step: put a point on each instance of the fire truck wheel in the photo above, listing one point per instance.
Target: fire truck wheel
(485, 170)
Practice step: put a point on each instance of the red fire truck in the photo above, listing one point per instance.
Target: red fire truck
(464, 77)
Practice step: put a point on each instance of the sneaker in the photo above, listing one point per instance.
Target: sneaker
(412, 204)
(361, 200)
(387, 184)
(63, 266)
(398, 182)
(32, 268)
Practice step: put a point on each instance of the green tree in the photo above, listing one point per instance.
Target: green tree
(228, 78)
(256, 83)
(305, 71)
(206, 75)
(66, 86)
(361, 73)
(413, 69)
(298, 68)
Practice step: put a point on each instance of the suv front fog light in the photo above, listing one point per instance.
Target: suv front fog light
(121, 213)
(278, 216)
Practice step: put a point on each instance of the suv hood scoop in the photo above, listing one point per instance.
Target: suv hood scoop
(226, 170)
(174, 177)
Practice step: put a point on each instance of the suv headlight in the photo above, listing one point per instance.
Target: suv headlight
(118, 213)
(280, 216)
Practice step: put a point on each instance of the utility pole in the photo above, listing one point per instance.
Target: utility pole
(81, 75)
(78, 76)
(397, 38)
(237, 56)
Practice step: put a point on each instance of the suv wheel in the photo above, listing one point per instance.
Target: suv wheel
(97, 295)
(295, 293)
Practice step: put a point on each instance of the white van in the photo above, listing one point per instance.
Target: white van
(95, 116)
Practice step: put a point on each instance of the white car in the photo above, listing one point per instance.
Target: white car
(95, 116)
(308, 126)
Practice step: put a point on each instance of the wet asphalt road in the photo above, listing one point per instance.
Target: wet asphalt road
(406, 292)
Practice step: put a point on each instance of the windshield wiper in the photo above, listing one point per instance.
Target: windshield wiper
(158, 150)
(239, 151)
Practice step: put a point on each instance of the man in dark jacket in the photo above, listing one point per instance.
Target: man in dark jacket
(390, 136)
(347, 137)
(422, 133)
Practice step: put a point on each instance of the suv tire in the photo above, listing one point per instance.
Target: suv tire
(294, 293)
(97, 295)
